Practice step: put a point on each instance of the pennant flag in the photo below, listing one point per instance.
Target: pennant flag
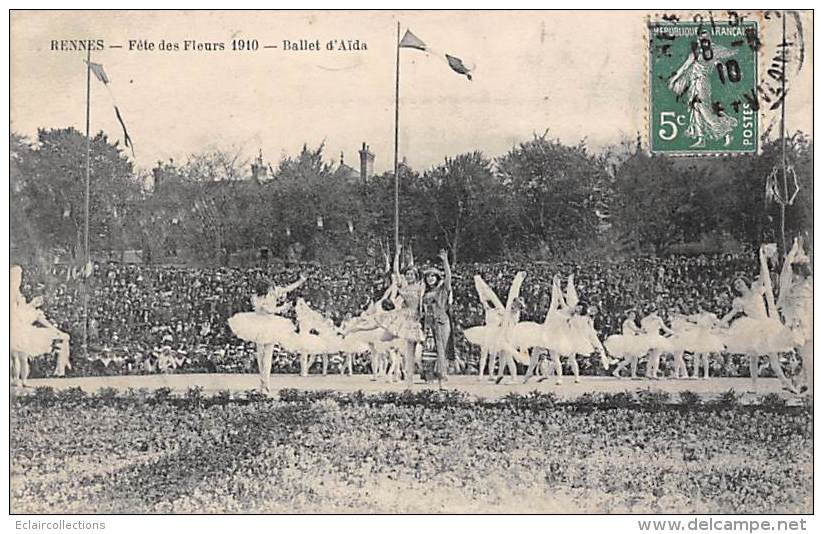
(410, 40)
(457, 66)
(126, 138)
(100, 74)
(98, 71)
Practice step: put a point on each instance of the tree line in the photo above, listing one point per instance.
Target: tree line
(541, 199)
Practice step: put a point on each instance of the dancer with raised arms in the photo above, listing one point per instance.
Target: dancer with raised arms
(754, 327)
(495, 337)
(265, 326)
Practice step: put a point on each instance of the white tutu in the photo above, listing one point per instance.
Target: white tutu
(759, 336)
(561, 338)
(30, 339)
(262, 328)
(490, 338)
(697, 339)
(25, 336)
(356, 343)
(621, 345)
(654, 341)
(555, 335)
(580, 336)
(528, 334)
(311, 344)
(496, 339)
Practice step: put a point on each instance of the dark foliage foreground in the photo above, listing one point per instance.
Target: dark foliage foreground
(430, 451)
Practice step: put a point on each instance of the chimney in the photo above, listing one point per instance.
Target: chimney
(258, 169)
(157, 173)
(366, 163)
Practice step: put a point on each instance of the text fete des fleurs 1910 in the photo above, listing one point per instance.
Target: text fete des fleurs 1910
(193, 45)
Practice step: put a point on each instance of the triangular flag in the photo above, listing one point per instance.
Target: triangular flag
(457, 66)
(126, 137)
(410, 40)
(100, 74)
(98, 71)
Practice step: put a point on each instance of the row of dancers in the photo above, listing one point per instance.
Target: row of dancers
(390, 329)
(758, 324)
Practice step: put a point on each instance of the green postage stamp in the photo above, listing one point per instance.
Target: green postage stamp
(703, 87)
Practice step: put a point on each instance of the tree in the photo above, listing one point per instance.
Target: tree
(378, 198)
(218, 203)
(553, 190)
(651, 201)
(461, 207)
(48, 185)
(757, 218)
(23, 235)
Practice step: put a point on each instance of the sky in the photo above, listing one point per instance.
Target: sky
(579, 75)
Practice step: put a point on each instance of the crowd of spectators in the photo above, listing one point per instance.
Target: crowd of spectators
(153, 318)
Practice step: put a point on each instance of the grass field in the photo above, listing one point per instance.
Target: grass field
(430, 451)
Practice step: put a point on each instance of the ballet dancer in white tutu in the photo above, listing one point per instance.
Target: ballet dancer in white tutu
(495, 337)
(361, 334)
(31, 333)
(509, 358)
(754, 327)
(796, 303)
(583, 336)
(482, 336)
(395, 332)
(654, 343)
(582, 326)
(317, 336)
(265, 326)
(699, 334)
(706, 340)
(628, 346)
(554, 334)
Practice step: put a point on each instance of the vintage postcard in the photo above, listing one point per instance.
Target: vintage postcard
(412, 262)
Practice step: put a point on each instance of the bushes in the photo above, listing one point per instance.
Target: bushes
(653, 400)
(690, 398)
(729, 399)
(534, 400)
(44, 395)
(161, 395)
(195, 397)
(773, 400)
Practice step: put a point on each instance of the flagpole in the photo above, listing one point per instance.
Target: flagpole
(396, 129)
(783, 140)
(86, 201)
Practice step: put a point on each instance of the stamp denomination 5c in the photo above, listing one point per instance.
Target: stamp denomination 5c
(703, 87)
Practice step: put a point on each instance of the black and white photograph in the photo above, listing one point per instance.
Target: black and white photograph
(411, 262)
